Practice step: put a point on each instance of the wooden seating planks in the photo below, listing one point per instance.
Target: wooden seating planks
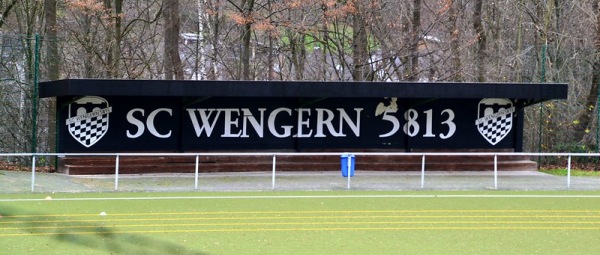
(83, 165)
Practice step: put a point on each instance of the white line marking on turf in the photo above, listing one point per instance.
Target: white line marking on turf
(295, 197)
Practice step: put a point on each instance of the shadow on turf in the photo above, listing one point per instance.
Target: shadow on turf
(93, 235)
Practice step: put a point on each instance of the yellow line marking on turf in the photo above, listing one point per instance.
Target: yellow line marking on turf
(309, 217)
(307, 212)
(568, 196)
(108, 219)
(307, 223)
(296, 229)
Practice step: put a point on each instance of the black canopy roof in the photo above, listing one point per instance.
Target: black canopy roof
(527, 92)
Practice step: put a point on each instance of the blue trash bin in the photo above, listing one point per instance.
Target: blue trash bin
(345, 160)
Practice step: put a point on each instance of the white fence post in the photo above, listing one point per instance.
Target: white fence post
(348, 168)
(273, 174)
(423, 171)
(117, 172)
(32, 172)
(196, 172)
(569, 172)
(495, 171)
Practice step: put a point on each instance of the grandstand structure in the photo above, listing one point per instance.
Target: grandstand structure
(96, 115)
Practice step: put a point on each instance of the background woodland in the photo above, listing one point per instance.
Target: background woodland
(513, 41)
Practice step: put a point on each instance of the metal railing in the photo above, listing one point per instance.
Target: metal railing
(274, 155)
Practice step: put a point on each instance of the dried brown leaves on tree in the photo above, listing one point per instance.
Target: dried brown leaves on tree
(353, 40)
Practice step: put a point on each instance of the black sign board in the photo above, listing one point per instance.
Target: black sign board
(182, 117)
(111, 123)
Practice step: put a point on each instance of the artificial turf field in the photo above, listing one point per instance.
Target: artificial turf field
(345, 222)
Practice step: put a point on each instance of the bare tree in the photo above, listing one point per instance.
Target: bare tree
(480, 52)
(415, 40)
(99, 40)
(383, 40)
(53, 67)
(173, 67)
(245, 17)
(7, 10)
(455, 36)
(359, 43)
(586, 116)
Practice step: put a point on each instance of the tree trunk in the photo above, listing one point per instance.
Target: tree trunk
(53, 58)
(298, 53)
(6, 11)
(359, 45)
(587, 115)
(519, 42)
(246, 36)
(455, 43)
(118, 34)
(416, 38)
(113, 37)
(53, 65)
(480, 53)
(270, 56)
(301, 58)
(173, 67)
(212, 24)
(89, 69)
(324, 44)
(109, 43)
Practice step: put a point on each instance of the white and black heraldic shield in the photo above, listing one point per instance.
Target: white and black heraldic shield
(495, 119)
(88, 119)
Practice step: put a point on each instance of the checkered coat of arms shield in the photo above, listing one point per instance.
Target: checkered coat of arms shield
(88, 119)
(495, 119)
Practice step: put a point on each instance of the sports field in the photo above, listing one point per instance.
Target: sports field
(325, 222)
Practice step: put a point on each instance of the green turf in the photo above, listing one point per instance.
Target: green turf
(349, 222)
(574, 172)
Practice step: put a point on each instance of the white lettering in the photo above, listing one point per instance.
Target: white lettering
(208, 128)
(230, 122)
(287, 130)
(500, 113)
(393, 120)
(248, 117)
(325, 122)
(244, 122)
(150, 122)
(450, 123)
(89, 115)
(354, 126)
(140, 125)
(302, 122)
